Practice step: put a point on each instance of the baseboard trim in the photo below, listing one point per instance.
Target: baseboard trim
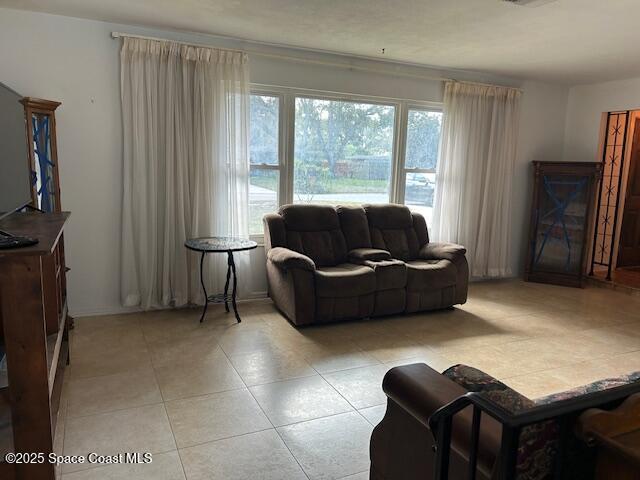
(120, 310)
(108, 310)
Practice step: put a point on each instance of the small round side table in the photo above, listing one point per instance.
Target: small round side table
(218, 245)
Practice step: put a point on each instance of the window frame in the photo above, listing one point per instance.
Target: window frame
(403, 170)
(286, 130)
(259, 237)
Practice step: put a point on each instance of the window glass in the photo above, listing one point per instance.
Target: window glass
(263, 145)
(419, 192)
(263, 196)
(421, 161)
(423, 139)
(343, 152)
(264, 157)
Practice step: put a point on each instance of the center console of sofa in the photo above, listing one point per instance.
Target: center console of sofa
(329, 263)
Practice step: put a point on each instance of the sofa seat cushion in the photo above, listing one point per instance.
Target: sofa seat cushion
(430, 274)
(345, 280)
(390, 274)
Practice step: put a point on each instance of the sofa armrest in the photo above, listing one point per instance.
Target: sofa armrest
(361, 255)
(442, 251)
(288, 259)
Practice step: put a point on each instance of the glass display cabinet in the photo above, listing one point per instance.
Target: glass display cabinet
(561, 221)
(43, 154)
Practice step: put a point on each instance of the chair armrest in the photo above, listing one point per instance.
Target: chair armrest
(420, 390)
(422, 393)
(442, 251)
(474, 380)
(287, 259)
(360, 255)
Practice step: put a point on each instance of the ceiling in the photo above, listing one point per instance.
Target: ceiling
(562, 41)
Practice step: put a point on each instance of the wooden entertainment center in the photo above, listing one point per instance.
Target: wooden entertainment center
(34, 320)
(33, 311)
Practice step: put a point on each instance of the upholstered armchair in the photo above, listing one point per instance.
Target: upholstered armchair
(464, 424)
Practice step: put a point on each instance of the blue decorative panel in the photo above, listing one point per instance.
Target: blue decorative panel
(42, 177)
(561, 220)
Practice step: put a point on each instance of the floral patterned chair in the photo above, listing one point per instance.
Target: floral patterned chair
(464, 424)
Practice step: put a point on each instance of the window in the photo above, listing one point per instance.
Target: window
(343, 151)
(338, 149)
(421, 160)
(264, 158)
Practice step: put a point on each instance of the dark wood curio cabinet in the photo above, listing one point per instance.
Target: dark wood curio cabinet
(43, 153)
(564, 195)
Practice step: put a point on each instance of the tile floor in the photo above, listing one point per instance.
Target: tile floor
(264, 400)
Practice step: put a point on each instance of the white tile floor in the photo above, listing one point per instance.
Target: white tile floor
(264, 400)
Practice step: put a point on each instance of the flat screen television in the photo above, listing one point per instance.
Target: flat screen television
(15, 183)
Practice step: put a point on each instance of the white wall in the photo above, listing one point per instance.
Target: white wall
(76, 62)
(585, 107)
(541, 138)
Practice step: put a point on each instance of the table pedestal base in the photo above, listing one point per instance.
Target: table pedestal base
(221, 297)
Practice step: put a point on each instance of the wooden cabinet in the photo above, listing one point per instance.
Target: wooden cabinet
(561, 221)
(616, 435)
(35, 334)
(43, 153)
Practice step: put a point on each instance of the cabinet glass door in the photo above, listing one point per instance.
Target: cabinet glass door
(42, 175)
(561, 222)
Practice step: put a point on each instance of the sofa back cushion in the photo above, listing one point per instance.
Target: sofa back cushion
(314, 230)
(354, 225)
(275, 233)
(392, 228)
(597, 386)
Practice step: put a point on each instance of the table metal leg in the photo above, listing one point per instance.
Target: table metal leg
(231, 269)
(232, 263)
(226, 284)
(204, 289)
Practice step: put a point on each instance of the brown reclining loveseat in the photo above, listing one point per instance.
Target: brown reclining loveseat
(329, 263)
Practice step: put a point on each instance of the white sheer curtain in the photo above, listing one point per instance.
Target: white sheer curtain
(185, 113)
(473, 190)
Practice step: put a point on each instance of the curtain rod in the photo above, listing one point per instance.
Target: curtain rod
(267, 88)
(318, 62)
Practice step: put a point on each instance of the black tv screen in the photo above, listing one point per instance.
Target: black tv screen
(15, 189)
